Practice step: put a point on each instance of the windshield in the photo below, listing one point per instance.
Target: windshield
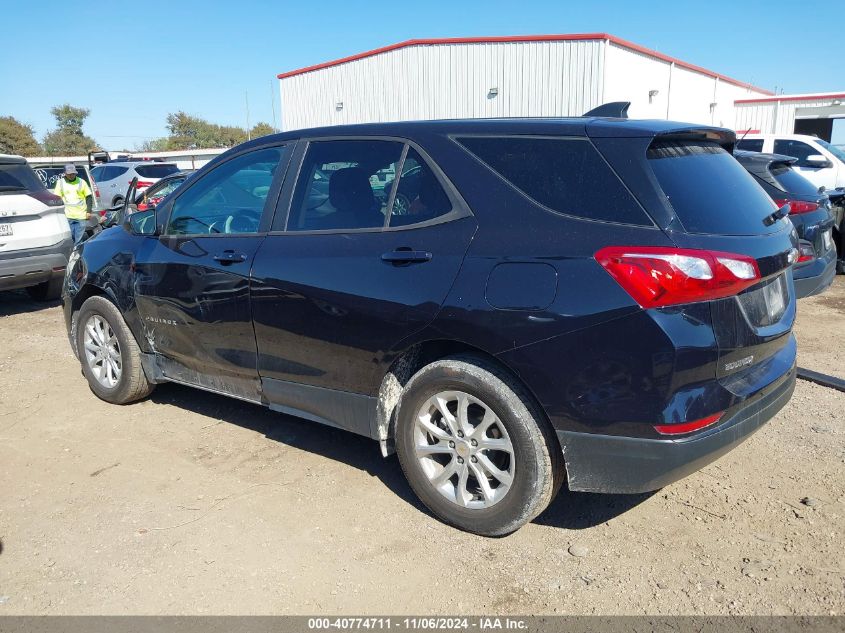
(832, 149)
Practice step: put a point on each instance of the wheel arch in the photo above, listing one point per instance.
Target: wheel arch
(414, 358)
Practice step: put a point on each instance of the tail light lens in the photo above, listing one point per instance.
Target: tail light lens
(806, 252)
(658, 276)
(688, 427)
(143, 183)
(797, 206)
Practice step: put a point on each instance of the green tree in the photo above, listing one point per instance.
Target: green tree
(68, 137)
(17, 138)
(261, 129)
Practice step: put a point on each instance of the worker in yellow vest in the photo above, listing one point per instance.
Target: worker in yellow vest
(78, 200)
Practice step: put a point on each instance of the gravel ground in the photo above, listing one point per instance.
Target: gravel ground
(189, 503)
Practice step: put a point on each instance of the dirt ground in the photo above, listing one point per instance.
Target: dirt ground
(189, 503)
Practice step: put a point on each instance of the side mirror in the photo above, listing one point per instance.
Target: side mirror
(817, 161)
(141, 223)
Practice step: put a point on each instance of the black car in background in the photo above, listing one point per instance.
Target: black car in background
(150, 197)
(592, 301)
(809, 211)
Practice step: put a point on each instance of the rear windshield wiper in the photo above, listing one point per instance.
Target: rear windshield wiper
(777, 215)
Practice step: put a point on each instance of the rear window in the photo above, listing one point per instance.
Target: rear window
(564, 175)
(49, 175)
(709, 190)
(791, 181)
(751, 144)
(156, 171)
(19, 177)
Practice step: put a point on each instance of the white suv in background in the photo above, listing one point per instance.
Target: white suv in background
(35, 237)
(114, 177)
(819, 162)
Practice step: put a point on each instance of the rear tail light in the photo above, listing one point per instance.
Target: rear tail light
(143, 183)
(48, 198)
(688, 427)
(797, 206)
(658, 276)
(806, 252)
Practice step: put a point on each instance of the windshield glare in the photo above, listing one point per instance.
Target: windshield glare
(832, 149)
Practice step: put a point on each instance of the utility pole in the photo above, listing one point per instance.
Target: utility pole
(246, 97)
(273, 105)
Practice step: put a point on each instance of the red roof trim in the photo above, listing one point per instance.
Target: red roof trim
(813, 97)
(525, 38)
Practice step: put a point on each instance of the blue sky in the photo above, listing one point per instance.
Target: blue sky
(132, 63)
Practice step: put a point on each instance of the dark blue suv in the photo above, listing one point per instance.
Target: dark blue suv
(602, 302)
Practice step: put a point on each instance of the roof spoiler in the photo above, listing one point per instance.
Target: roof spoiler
(614, 109)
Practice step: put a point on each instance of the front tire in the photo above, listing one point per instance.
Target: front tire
(110, 356)
(475, 448)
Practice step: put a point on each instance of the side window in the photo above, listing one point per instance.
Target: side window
(229, 199)
(797, 149)
(344, 185)
(564, 175)
(750, 144)
(107, 173)
(97, 173)
(419, 195)
(118, 171)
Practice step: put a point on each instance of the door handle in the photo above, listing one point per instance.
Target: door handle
(406, 256)
(230, 257)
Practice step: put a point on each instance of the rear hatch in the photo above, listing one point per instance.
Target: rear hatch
(718, 206)
(30, 216)
(707, 203)
(151, 173)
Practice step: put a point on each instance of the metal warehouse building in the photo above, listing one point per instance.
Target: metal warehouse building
(544, 75)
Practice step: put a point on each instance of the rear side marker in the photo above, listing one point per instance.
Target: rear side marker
(688, 427)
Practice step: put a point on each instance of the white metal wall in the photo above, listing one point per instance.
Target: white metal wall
(682, 94)
(545, 78)
(557, 78)
(778, 117)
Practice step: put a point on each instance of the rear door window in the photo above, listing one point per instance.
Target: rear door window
(750, 144)
(709, 190)
(565, 175)
(420, 196)
(156, 171)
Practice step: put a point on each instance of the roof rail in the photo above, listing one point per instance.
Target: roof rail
(615, 109)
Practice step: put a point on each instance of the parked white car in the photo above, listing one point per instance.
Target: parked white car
(114, 177)
(35, 237)
(819, 162)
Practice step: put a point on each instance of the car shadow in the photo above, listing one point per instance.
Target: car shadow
(342, 446)
(582, 510)
(569, 510)
(13, 302)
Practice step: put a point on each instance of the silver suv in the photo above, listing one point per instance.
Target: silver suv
(35, 237)
(114, 177)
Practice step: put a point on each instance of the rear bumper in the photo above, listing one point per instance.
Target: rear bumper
(21, 269)
(815, 278)
(611, 464)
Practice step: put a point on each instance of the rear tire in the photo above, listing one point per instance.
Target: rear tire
(49, 290)
(110, 356)
(489, 466)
